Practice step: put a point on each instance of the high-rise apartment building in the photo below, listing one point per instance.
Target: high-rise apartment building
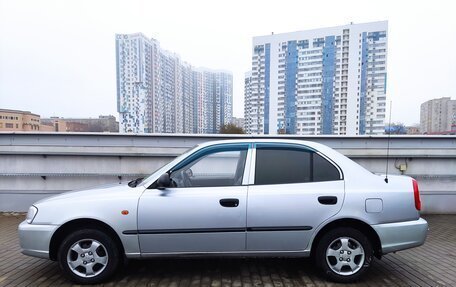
(322, 81)
(438, 116)
(248, 101)
(157, 92)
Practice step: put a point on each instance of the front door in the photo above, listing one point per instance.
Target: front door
(294, 190)
(204, 211)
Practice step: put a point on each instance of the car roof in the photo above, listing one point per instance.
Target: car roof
(262, 140)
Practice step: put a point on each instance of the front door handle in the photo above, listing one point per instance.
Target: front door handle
(327, 200)
(229, 202)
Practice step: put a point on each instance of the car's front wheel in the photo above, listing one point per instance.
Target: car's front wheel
(88, 256)
(344, 254)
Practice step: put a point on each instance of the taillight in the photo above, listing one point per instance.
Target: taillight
(416, 194)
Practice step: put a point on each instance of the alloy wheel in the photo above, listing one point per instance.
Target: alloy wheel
(87, 258)
(345, 256)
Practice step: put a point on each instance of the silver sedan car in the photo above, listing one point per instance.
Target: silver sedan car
(255, 197)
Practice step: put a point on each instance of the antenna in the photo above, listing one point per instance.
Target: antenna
(388, 146)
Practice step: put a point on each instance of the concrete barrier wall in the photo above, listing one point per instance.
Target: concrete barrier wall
(37, 165)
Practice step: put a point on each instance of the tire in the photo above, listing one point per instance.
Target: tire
(88, 256)
(344, 254)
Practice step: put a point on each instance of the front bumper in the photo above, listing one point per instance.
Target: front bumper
(34, 239)
(401, 235)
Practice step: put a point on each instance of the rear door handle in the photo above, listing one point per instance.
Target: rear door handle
(229, 202)
(327, 200)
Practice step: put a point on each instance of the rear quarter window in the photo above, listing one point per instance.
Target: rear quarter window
(323, 170)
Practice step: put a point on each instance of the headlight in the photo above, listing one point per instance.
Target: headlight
(31, 214)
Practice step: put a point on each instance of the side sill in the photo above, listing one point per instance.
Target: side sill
(304, 253)
(133, 255)
(36, 253)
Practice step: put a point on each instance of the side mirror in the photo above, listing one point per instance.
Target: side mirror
(163, 181)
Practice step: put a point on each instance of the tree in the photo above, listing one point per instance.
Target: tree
(231, 129)
(395, 129)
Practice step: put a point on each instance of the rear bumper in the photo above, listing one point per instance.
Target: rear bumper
(34, 239)
(401, 235)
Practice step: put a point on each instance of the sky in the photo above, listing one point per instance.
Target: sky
(57, 58)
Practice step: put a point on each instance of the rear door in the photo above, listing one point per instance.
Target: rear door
(294, 189)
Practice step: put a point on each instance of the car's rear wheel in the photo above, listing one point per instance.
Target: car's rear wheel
(344, 254)
(88, 256)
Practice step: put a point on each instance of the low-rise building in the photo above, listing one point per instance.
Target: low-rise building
(413, 130)
(23, 121)
(100, 124)
(16, 120)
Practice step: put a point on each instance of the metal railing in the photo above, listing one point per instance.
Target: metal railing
(35, 165)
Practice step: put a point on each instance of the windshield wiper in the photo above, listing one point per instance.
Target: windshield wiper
(135, 182)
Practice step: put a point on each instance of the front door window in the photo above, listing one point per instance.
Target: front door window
(220, 168)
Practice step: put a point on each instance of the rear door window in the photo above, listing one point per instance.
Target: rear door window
(279, 166)
(283, 165)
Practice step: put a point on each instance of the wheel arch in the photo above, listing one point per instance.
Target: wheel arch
(352, 223)
(78, 224)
